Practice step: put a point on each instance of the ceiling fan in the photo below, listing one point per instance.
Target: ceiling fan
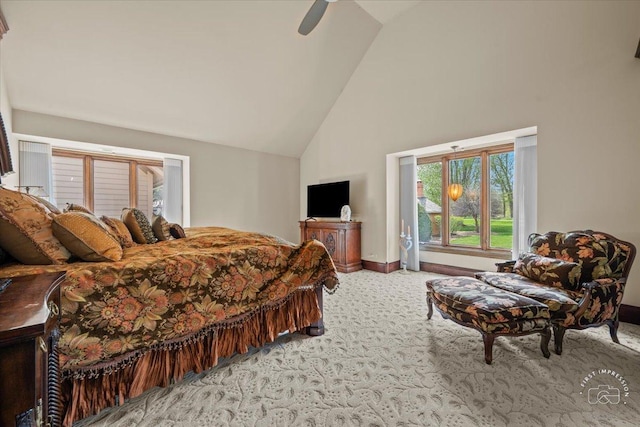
(313, 16)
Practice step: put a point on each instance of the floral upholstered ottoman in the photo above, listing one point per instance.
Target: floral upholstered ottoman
(490, 310)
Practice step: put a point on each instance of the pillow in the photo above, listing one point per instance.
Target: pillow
(47, 204)
(549, 271)
(72, 207)
(86, 237)
(138, 225)
(161, 228)
(119, 230)
(177, 232)
(25, 231)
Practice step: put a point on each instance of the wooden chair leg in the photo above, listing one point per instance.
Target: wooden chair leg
(488, 347)
(613, 330)
(545, 337)
(558, 335)
(430, 307)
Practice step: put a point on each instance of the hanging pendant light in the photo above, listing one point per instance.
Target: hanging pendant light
(455, 188)
(455, 191)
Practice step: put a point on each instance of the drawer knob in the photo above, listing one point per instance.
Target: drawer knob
(43, 345)
(53, 309)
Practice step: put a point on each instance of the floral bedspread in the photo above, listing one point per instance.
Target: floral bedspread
(161, 293)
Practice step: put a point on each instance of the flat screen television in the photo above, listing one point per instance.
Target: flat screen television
(327, 200)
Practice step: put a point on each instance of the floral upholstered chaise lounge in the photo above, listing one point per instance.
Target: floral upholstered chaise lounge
(580, 275)
(157, 311)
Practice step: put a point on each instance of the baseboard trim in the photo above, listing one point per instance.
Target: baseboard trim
(449, 270)
(381, 267)
(629, 314)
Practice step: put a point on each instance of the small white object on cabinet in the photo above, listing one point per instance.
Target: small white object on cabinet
(345, 213)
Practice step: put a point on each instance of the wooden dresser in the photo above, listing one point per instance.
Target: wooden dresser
(29, 371)
(342, 240)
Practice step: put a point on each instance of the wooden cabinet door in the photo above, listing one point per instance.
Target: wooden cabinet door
(331, 241)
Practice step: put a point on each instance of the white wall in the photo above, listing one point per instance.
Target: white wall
(447, 71)
(5, 109)
(230, 187)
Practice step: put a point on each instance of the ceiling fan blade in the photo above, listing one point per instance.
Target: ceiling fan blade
(312, 17)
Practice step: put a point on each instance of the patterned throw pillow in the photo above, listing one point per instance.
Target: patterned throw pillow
(177, 231)
(138, 224)
(161, 228)
(86, 237)
(550, 271)
(119, 231)
(25, 231)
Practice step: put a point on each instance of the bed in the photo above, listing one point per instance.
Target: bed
(177, 306)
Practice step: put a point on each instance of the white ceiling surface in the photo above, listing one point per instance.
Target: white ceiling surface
(229, 72)
(386, 10)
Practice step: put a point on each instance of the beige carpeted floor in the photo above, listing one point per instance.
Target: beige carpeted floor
(382, 363)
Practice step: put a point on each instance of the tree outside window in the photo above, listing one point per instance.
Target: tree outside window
(482, 218)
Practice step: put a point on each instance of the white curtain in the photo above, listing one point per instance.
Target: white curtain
(409, 208)
(525, 192)
(172, 190)
(35, 169)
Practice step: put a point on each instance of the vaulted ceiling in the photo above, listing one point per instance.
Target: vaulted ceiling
(229, 72)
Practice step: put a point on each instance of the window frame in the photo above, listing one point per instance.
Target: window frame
(88, 169)
(485, 203)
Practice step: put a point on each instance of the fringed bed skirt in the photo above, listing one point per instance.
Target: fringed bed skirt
(88, 391)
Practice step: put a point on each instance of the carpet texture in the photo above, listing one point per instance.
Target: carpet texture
(382, 363)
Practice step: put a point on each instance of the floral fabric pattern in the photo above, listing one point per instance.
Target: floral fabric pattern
(604, 261)
(484, 304)
(512, 327)
(549, 271)
(173, 289)
(599, 255)
(606, 297)
(557, 299)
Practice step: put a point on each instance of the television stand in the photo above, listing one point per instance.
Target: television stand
(342, 240)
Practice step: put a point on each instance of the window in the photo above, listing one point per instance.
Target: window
(106, 184)
(480, 221)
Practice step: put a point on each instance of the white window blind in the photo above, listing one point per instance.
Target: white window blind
(172, 190)
(35, 169)
(110, 187)
(409, 209)
(525, 192)
(68, 180)
(145, 191)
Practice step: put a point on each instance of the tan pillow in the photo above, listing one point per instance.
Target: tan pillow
(119, 230)
(160, 228)
(86, 237)
(25, 231)
(53, 209)
(72, 207)
(139, 226)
